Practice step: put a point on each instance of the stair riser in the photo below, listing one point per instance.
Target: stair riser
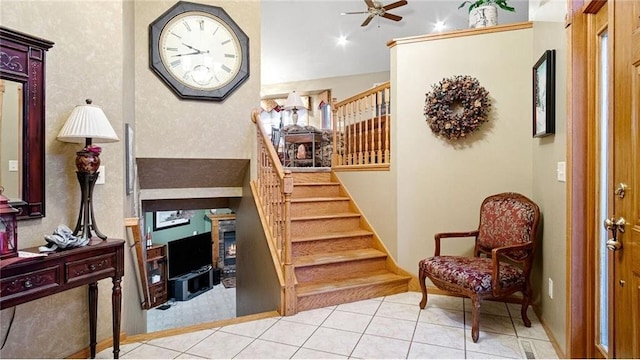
(338, 271)
(341, 296)
(311, 177)
(303, 228)
(319, 207)
(304, 248)
(307, 191)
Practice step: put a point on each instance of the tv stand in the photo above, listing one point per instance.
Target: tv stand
(190, 285)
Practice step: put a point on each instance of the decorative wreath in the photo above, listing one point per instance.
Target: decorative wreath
(456, 106)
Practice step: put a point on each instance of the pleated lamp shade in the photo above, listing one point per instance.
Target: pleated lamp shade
(294, 101)
(87, 121)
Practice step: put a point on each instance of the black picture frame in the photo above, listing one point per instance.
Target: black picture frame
(168, 219)
(544, 95)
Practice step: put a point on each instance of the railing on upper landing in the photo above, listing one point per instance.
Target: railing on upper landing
(361, 126)
(272, 190)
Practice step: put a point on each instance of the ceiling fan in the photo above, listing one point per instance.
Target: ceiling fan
(375, 8)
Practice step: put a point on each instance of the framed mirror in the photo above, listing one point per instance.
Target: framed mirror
(22, 125)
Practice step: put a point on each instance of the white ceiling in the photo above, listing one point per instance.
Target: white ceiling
(299, 36)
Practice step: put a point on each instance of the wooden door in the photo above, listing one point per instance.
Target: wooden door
(613, 185)
(625, 190)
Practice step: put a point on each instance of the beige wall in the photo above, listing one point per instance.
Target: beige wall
(80, 65)
(341, 87)
(549, 193)
(442, 183)
(100, 52)
(172, 128)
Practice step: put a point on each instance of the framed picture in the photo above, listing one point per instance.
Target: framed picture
(544, 94)
(129, 158)
(168, 219)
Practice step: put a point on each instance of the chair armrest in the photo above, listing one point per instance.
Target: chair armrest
(496, 253)
(439, 236)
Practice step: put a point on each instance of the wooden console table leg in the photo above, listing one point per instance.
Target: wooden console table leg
(116, 304)
(93, 317)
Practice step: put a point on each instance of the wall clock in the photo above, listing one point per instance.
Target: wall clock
(199, 51)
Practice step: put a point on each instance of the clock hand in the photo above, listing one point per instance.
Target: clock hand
(192, 48)
(193, 53)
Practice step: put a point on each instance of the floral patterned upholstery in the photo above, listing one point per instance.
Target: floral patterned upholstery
(473, 273)
(505, 221)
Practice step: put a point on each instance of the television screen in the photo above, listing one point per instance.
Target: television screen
(189, 254)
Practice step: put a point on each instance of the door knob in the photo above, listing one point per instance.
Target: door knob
(613, 244)
(616, 226)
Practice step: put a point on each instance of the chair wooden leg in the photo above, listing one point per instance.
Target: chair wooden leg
(423, 287)
(475, 318)
(526, 300)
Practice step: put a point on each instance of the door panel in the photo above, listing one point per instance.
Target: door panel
(626, 94)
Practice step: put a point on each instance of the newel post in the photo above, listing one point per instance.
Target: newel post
(290, 300)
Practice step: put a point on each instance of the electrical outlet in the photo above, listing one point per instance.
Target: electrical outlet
(550, 288)
(101, 176)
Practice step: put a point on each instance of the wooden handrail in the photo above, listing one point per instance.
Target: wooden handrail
(274, 187)
(360, 95)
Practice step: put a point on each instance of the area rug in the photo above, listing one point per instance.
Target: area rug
(229, 282)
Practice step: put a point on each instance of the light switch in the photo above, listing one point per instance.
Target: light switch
(13, 165)
(562, 171)
(101, 176)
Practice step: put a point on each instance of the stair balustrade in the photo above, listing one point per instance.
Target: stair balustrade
(361, 126)
(273, 187)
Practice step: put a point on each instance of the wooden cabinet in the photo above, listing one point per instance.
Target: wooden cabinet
(157, 274)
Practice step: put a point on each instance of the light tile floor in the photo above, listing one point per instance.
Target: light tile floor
(382, 328)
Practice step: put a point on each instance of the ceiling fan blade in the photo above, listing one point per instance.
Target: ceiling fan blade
(367, 20)
(370, 3)
(354, 12)
(395, 5)
(392, 17)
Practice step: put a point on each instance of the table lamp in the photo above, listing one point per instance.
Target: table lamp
(88, 124)
(293, 103)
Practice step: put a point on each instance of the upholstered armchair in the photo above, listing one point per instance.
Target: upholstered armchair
(502, 260)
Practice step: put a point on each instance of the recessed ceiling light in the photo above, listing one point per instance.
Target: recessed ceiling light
(342, 40)
(439, 26)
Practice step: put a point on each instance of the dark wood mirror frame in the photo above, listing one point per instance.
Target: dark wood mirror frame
(22, 59)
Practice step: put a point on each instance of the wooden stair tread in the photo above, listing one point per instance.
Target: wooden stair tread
(374, 279)
(333, 236)
(316, 183)
(320, 199)
(343, 256)
(328, 216)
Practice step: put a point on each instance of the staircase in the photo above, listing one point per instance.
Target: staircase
(336, 259)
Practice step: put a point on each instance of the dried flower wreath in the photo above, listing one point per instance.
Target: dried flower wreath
(456, 106)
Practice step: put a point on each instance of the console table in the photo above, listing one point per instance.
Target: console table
(26, 279)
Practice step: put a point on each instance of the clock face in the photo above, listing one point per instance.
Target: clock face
(199, 51)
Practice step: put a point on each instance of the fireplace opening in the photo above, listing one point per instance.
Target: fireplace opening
(227, 248)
